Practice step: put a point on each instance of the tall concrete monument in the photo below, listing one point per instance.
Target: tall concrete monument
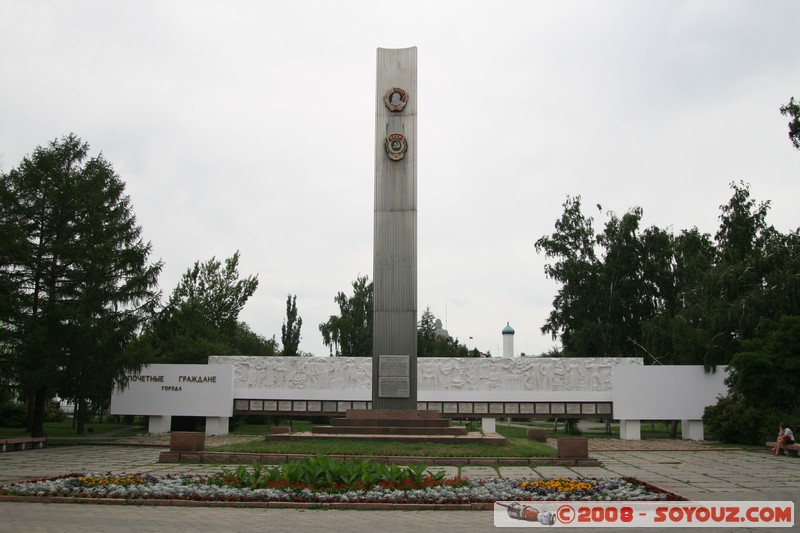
(394, 357)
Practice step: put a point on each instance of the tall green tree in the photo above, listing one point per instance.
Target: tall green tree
(201, 317)
(216, 289)
(71, 248)
(764, 373)
(685, 299)
(611, 282)
(625, 296)
(574, 317)
(737, 300)
(426, 334)
(350, 333)
(678, 333)
(792, 110)
(290, 330)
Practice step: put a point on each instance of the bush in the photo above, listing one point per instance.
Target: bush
(52, 413)
(13, 415)
(731, 421)
(571, 427)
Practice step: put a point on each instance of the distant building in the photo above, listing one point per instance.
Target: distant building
(508, 341)
(439, 330)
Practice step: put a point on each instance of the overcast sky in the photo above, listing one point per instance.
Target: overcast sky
(249, 126)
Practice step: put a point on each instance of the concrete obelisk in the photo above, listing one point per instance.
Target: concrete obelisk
(394, 357)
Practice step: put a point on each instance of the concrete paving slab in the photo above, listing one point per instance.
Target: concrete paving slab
(589, 471)
(555, 471)
(519, 472)
(479, 472)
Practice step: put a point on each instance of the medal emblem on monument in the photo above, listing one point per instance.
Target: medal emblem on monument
(396, 146)
(395, 99)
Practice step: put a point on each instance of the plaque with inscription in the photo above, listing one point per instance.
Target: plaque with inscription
(394, 387)
(394, 366)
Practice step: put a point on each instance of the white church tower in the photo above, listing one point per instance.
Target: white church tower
(508, 341)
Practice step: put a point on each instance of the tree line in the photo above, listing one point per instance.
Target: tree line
(685, 298)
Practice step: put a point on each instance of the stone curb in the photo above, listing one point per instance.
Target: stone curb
(484, 506)
(280, 458)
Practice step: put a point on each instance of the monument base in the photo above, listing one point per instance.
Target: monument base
(390, 422)
(400, 425)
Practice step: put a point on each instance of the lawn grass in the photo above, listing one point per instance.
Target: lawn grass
(64, 429)
(517, 445)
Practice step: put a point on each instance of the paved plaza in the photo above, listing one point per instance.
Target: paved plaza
(732, 475)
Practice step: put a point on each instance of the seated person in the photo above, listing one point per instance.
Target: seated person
(785, 437)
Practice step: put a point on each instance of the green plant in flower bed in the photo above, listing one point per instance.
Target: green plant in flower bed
(322, 473)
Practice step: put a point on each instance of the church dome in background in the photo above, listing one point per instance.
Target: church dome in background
(439, 330)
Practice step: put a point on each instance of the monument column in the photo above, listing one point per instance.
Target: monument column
(394, 357)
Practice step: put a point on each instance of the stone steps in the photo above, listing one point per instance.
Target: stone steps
(394, 422)
(387, 430)
(399, 423)
(471, 437)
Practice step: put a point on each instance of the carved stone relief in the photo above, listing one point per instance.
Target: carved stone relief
(433, 374)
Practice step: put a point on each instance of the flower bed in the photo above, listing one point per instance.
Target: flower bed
(134, 487)
(324, 481)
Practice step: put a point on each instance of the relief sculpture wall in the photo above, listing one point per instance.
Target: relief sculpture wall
(298, 373)
(433, 374)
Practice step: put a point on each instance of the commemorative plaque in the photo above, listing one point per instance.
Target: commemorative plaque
(394, 376)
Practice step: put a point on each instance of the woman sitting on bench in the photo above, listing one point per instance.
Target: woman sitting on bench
(785, 437)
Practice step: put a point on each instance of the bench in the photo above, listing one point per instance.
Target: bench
(22, 443)
(791, 449)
